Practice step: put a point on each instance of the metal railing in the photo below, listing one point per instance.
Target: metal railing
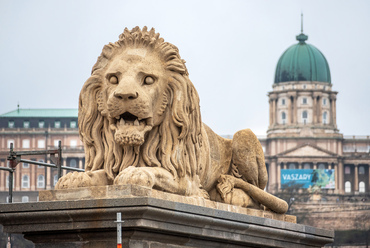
(16, 157)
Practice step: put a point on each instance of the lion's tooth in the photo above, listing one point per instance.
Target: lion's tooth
(136, 123)
(122, 122)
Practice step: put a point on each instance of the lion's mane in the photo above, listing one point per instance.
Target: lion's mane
(174, 144)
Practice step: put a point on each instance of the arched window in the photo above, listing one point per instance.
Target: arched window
(361, 170)
(283, 117)
(25, 181)
(283, 101)
(55, 179)
(325, 118)
(347, 187)
(40, 181)
(73, 163)
(347, 170)
(291, 166)
(304, 116)
(321, 167)
(361, 187)
(25, 198)
(306, 166)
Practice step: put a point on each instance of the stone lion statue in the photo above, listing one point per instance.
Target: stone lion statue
(139, 119)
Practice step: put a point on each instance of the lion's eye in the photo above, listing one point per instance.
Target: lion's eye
(113, 80)
(149, 80)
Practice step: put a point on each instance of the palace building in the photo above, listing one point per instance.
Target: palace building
(37, 130)
(303, 136)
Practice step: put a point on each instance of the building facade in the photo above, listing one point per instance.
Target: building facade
(36, 130)
(302, 133)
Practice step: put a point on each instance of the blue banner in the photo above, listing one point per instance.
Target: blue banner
(324, 179)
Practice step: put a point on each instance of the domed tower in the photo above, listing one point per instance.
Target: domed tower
(302, 103)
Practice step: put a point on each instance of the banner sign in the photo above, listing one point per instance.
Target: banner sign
(324, 179)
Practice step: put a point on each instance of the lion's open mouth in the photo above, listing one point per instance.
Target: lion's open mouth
(129, 119)
(130, 129)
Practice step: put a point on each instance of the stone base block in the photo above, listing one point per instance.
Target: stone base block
(149, 222)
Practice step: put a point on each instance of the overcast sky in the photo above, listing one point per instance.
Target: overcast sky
(47, 50)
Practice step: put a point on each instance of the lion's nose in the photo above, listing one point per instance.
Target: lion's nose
(126, 95)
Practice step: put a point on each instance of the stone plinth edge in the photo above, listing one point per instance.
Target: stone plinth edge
(149, 222)
(125, 191)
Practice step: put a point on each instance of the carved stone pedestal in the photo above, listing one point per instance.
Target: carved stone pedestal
(152, 219)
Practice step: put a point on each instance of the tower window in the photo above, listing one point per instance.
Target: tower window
(361, 170)
(306, 166)
(291, 166)
(304, 117)
(283, 117)
(304, 86)
(347, 187)
(325, 118)
(324, 101)
(361, 187)
(282, 101)
(304, 100)
(347, 170)
(321, 166)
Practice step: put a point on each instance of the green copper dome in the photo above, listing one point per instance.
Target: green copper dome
(302, 62)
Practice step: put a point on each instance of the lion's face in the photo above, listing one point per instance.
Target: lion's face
(133, 94)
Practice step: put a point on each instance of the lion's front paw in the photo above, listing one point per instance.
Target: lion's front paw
(83, 179)
(74, 180)
(135, 176)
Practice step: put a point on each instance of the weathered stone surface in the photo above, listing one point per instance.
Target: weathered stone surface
(130, 191)
(139, 119)
(151, 222)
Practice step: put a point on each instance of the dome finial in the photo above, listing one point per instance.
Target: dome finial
(301, 37)
(301, 22)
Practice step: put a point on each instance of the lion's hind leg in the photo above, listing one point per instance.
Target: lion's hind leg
(248, 158)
